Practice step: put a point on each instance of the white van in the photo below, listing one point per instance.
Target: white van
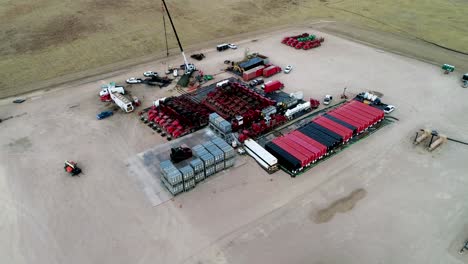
(175, 72)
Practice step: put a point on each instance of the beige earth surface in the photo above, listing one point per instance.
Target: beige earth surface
(402, 204)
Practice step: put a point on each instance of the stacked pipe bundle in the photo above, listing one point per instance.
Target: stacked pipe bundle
(320, 137)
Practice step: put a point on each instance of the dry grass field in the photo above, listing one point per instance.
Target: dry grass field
(46, 39)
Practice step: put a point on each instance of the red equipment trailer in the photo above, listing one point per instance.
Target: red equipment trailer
(317, 152)
(272, 86)
(320, 146)
(271, 70)
(344, 132)
(359, 126)
(310, 155)
(364, 115)
(296, 154)
(366, 121)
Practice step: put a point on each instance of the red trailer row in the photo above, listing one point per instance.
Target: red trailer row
(343, 131)
(323, 134)
(358, 114)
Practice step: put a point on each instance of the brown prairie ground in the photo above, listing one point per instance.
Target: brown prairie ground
(53, 40)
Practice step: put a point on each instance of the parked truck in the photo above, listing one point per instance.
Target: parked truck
(272, 86)
(123, 102)
(111, 87)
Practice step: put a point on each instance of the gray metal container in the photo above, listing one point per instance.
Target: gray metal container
(217, 153)
(189, 184)
(229, 163)
(187, 172)
(225, 126)
(219, 142)
(218, 120)
(228, 151)
(197, 165)
(208, 144)
(208, 159)
(209, 171)
(173, 189)
(199, 176)
(200, 153)
(173, 177)
(219, 166)
(165, 164)
(212, 117)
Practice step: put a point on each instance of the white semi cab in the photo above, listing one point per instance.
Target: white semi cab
(123, 102)
(261, 155)
(112, 88)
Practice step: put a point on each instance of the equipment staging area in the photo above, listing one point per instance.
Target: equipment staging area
(383, 200)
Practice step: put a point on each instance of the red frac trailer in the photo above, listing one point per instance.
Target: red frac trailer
(271, 70)
(272, 86)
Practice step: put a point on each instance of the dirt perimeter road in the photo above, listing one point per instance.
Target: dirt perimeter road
(382, 200)
(398, 43)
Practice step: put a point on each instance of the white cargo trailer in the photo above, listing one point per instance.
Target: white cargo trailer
(123, 102)
(261, 155)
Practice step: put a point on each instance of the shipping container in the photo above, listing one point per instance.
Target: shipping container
(366, 107)
(327, 131)
(311, 156)
(212, 117)
(173, 177)
(208, 159)
(368, 120)
(355, 117)
(207, 144)
(356, 109)
(320, 146)
(379, 114)
(219, 166)
(252, 73)
(359, 127)
(268, 161)
(250, 64)
(341, 122)
(313, 134)
(286, 160)
(328, 125)
(294, 152)
(318, 152)
(216, 152)
(189, 184)
(346, 132)
(225, 126)
(173, 189)
(271, 70)
(187, 172)
(197, 165)
(209, 171)
(200, 176)
(229, 162)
